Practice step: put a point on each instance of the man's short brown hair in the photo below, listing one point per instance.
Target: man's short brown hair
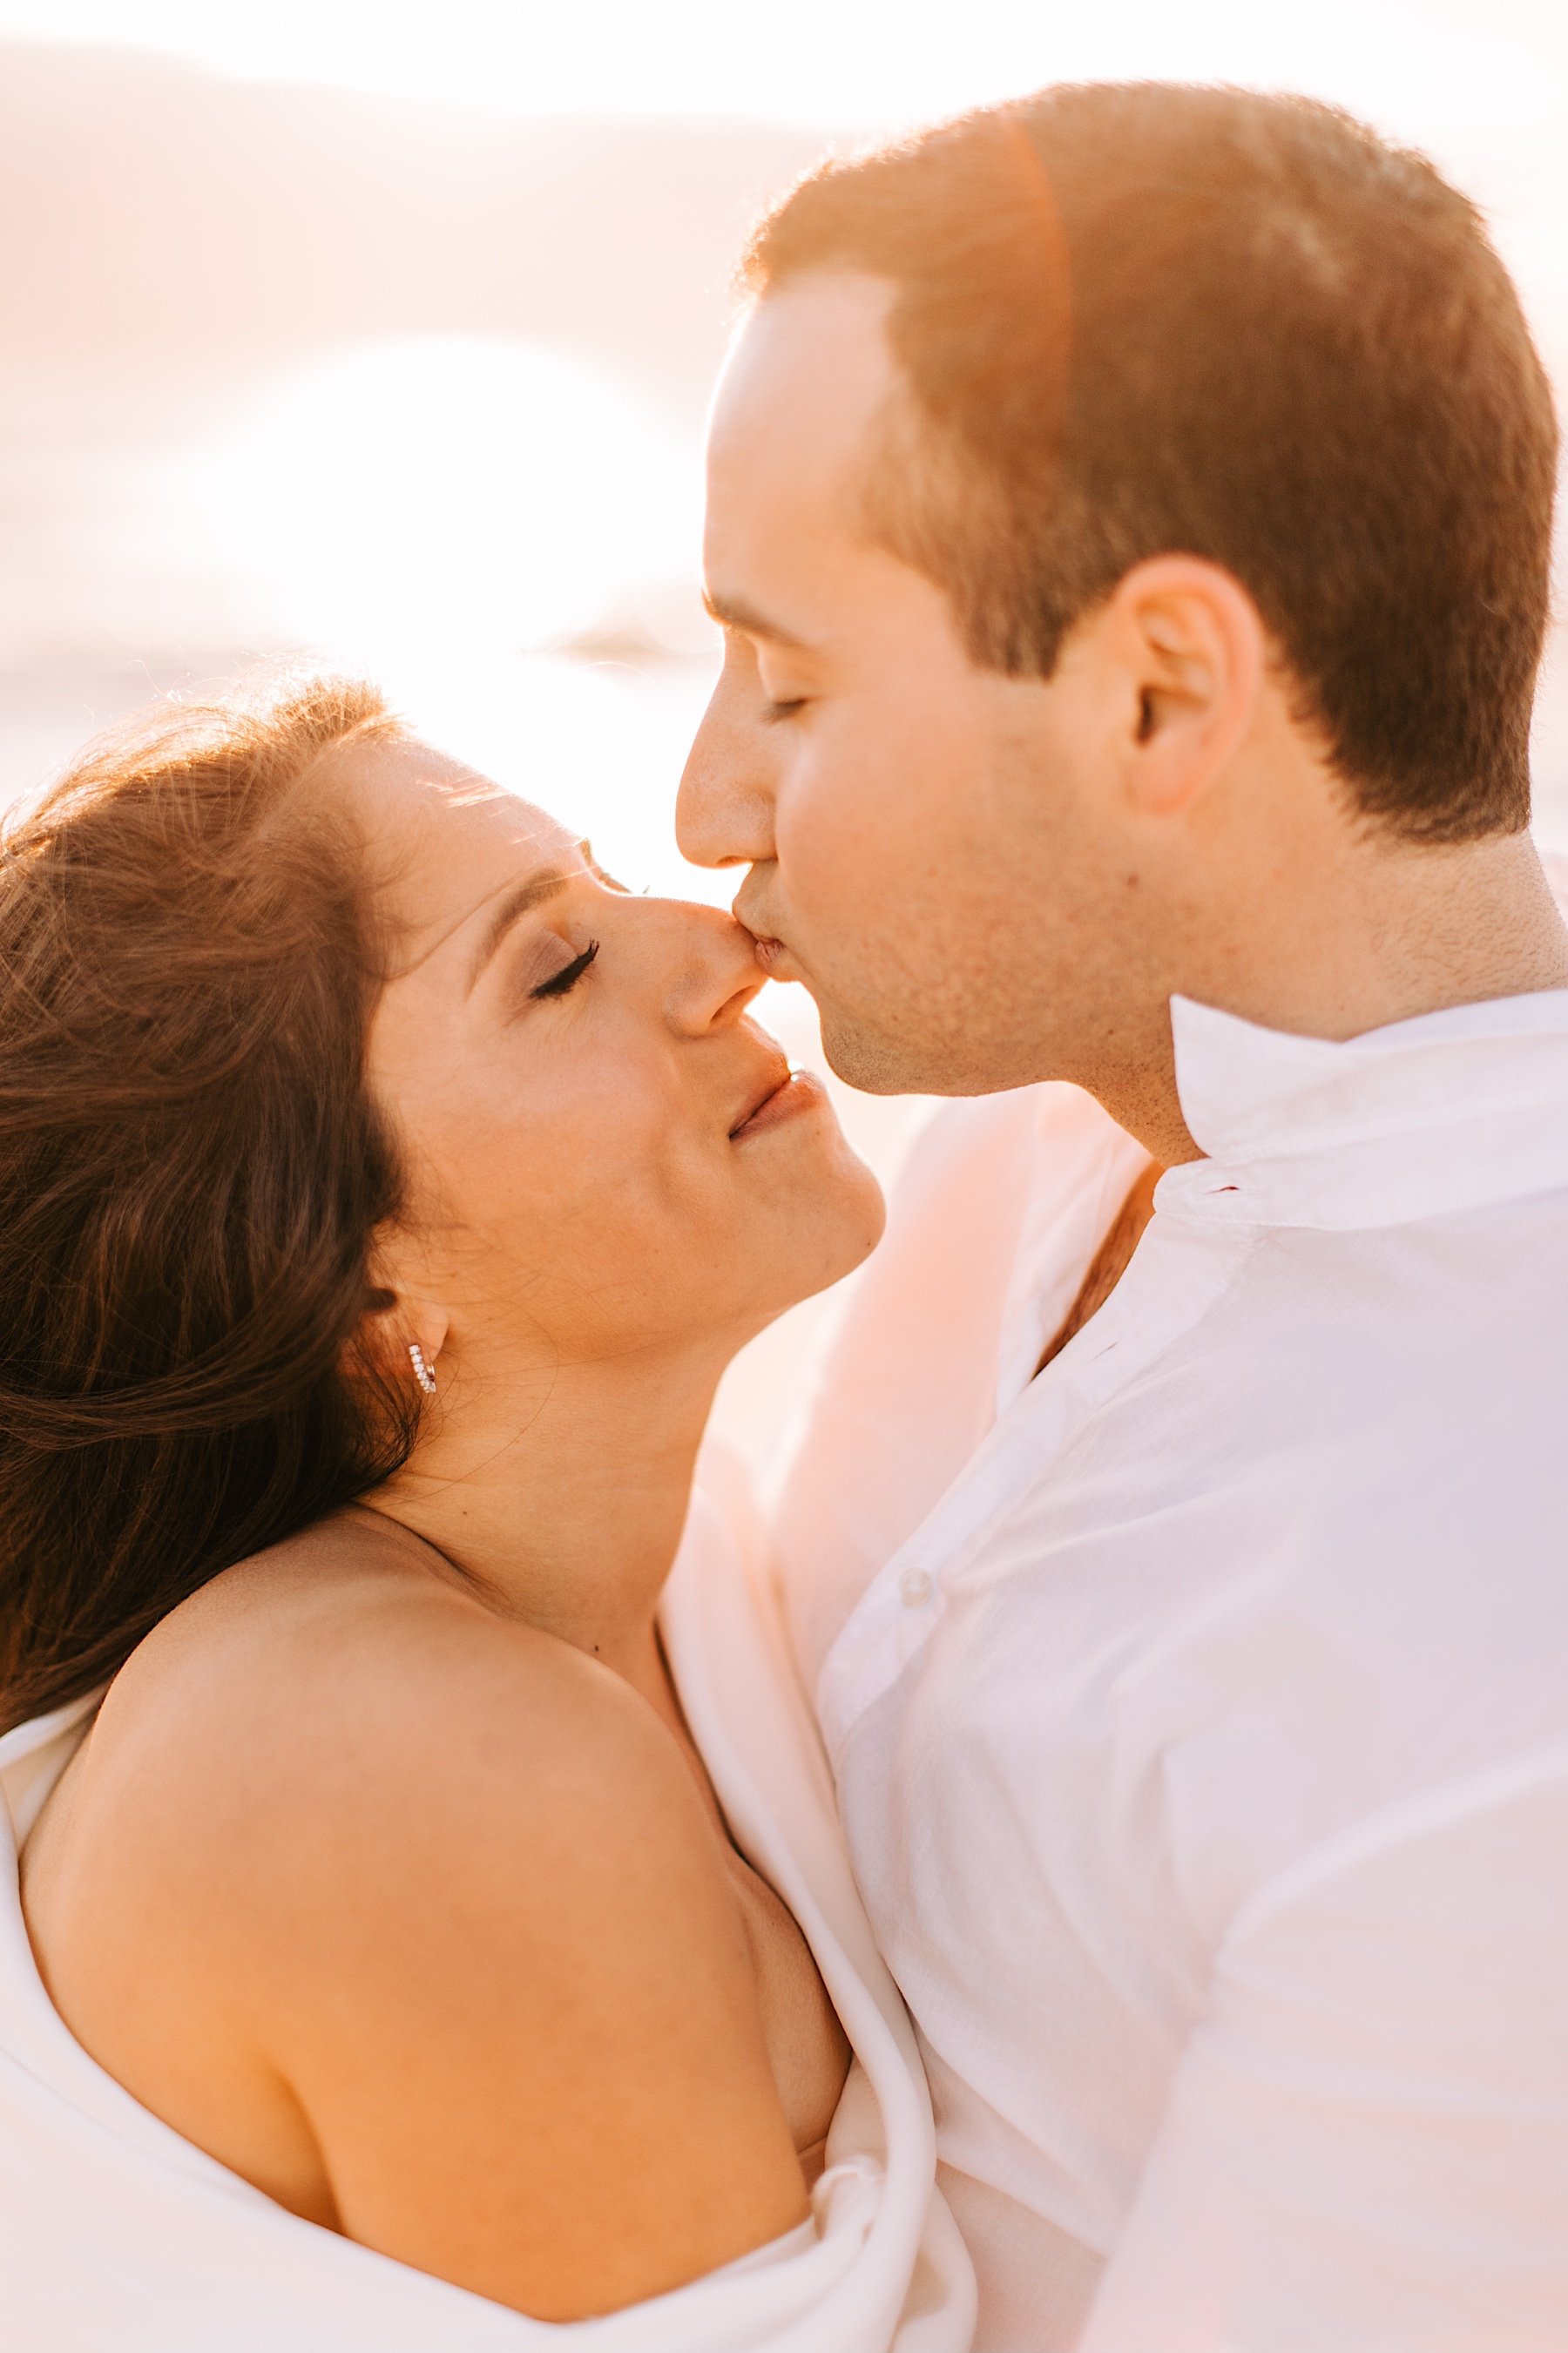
(1143, 318)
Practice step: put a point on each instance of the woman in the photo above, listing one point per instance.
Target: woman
(386, 1192)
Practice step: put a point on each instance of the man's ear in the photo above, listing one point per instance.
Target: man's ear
(1189, 653)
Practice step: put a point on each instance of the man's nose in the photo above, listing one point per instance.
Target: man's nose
(724, 809)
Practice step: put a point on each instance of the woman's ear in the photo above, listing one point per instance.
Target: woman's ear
(398, 1320)
(1192, 652)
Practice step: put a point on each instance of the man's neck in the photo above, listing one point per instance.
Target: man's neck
(1406, 930)
(1110, 1261)
(1394, 931)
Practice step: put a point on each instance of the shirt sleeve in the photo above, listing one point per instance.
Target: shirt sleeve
(1367, 2143)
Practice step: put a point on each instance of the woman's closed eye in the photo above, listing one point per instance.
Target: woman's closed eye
(560, 982)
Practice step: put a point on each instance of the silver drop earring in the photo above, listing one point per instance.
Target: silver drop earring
(422, 1373)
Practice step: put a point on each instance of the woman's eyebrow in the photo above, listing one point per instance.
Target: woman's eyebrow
(546, 884)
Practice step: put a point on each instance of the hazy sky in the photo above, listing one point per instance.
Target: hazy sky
(292, 497)
(1435, 67)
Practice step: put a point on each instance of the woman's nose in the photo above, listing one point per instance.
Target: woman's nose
(713, 972)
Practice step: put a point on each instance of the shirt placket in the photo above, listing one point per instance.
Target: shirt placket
(1166, 1289)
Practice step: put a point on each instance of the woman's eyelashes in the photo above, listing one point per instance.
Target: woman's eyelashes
(560, 982)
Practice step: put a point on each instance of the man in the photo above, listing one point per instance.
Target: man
(1129, 517)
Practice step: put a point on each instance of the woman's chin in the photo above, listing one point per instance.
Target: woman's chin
(845, 1223)
(871, 1208)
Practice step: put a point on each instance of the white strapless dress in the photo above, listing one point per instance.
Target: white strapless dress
(118, 2236)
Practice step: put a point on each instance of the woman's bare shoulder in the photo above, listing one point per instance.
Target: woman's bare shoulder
(323, 1677)
(452, 1883)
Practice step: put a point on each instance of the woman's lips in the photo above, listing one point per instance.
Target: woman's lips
(797, 1091)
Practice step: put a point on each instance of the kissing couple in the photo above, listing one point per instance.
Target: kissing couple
(1087, 1869)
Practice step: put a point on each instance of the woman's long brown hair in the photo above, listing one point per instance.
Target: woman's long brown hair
(191, 1175)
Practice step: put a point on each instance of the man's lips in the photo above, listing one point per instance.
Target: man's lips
(769, 949)
(774, 957)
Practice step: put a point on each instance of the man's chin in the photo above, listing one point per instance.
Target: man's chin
(878, 1062)
(873, 1062)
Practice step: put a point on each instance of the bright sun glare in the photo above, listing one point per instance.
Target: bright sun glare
(444, 493)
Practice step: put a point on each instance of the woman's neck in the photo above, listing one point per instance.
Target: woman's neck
(560, 1495)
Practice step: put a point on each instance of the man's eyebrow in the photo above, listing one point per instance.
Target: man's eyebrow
(548, 882)
(734, 613)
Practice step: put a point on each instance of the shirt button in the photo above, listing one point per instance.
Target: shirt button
(915, 1587)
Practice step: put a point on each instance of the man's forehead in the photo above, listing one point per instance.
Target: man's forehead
(808, 372)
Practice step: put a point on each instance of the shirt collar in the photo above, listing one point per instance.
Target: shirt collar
(1444, 1112)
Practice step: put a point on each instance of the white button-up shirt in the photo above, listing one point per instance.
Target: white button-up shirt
(1199, 1708)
